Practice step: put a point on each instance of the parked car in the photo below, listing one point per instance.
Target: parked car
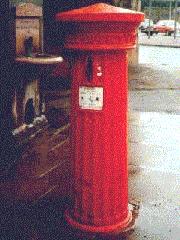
(147, 26)
(166, 26)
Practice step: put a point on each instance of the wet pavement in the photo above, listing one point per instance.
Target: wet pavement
(154, 143)
(160, 40)
(155, 83)
(154, 164)
(154, 176)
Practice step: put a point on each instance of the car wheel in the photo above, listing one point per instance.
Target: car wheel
(169, 33)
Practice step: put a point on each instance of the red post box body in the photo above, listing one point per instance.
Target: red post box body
(99, 36)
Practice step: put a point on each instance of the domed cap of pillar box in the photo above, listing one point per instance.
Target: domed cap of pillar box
(100, 26)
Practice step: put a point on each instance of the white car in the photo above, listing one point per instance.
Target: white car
(146, 23)
(147, 26)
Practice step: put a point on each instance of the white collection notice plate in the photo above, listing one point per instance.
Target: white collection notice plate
(91, 98)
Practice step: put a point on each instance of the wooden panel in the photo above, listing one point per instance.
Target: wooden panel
(28, 24)
(38, 175)
(27, 28)
(28, 9)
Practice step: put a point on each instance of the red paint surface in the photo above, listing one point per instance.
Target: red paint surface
(99, 138)
(101, 12)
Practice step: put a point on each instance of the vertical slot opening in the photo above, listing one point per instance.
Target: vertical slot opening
(89, 69)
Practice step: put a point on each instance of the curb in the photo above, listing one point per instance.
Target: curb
(159, 45)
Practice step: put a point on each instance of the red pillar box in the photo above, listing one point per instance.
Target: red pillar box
(99, 36)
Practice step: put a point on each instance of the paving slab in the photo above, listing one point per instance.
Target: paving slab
(154, 174)
(159, 40)
(154, 140)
